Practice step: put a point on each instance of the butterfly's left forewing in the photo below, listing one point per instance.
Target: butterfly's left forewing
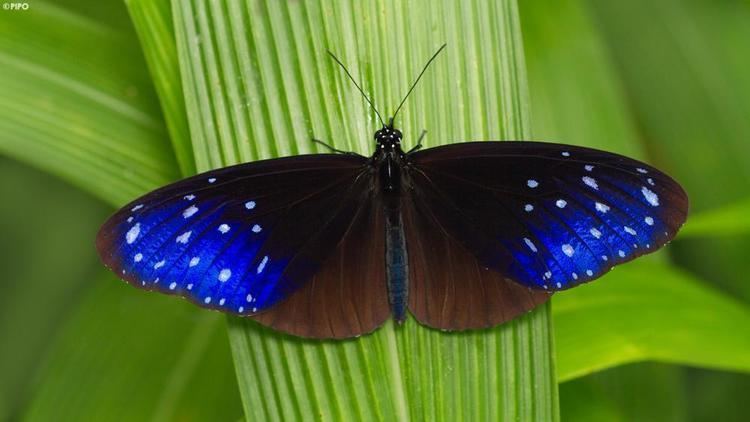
(239, 239)
(547, 216)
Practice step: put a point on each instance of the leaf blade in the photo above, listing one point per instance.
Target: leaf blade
(92, 121)
(631, 326)
(281, 121)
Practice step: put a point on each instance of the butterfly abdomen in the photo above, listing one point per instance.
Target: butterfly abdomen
(396, 261)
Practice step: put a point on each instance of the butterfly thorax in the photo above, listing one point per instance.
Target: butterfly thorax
(388, 158)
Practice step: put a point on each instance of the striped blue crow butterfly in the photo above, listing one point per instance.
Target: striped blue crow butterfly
(463, 236)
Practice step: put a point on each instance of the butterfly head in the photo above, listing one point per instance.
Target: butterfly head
(388, 138)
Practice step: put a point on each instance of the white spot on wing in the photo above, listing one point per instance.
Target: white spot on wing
(590, 182)
(629, 230)
(558, 285)
(256, 228)
(561, 203)
(649, 221)
(250, 205)
(588, 167)
(172, 285)
(575, 276)
(568, 250)
(190, 286)
(211, 180)
(640, 170)
(241, 309)
(650, 196)
(604, 258)
(651, 181)
(565, 154)
(225, 274)
(207, 300)
(528, 208)
(130, 219)
(183, 238)
(548, 274)
(133, 233)
(137, 207)
(138, 257)
(601, 207)
(532, 183)
(224, 228)
(189, 197)
(222, 301)
(159, 264)
(596, 233)
(530, 244)
(194, 261)
(189, 211)
(589, 273)
(249, 298)
(262, 265)
(621, 253)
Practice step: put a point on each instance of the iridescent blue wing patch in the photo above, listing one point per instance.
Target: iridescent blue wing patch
(239, 239)
(547, 216)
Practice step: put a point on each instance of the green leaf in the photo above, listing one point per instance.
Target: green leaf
(41, 274)
(649, 311)
(125, 355)
(729, 220)
(259, 84)
(637, 392)
(153, 23)
(575, 95)
(90, 118)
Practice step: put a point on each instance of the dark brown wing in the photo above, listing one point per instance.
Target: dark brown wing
(347, 297)
(449, 289)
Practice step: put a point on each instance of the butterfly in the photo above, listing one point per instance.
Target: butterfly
(462, 236)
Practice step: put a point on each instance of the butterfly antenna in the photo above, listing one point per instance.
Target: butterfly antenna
(429, 62)
(369, 101)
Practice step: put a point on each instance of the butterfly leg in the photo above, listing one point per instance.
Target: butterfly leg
(418, 146)
(332, 149)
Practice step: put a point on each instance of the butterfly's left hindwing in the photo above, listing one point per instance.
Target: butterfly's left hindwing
(347, 297)
(547, 216)
(239, 239)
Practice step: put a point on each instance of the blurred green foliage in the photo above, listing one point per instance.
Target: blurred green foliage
(667, 81)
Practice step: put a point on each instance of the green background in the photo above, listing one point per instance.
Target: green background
(90, 91)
